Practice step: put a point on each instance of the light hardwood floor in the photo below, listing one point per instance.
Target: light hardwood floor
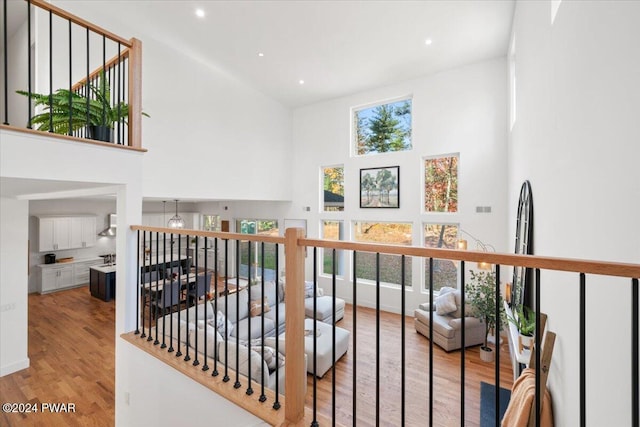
(71, 337)
(72, 355)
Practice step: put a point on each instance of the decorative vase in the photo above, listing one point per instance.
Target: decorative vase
(525, 341)
(100, 133)
(486, 354)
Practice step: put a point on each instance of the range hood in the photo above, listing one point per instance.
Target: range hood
(111, 230)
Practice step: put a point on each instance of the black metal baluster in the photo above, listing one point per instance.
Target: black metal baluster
(138, 289)
(149, 338)
(205, 366)
(237, 383)
(583, 351)
(156, 342)
(431, 340)
(71, 86)
(354, 396)
(333, 337)
(538, 348)
(196, 362)
(171, 349)
(215, 307)
(635, 355)
(29, 60)
(402, 340)
(179, 352)
(164, 289)
(6, 67)
(276, 403)
(118, 94)
(142, 285)
(377, 339)
(124, 91)
(249, 388)
(496, 333)
(462, 349)
(263, 397)
(186, 357)
(103, 82)
(314, 422)
(86, 89)
(226, 310)
(50, 71)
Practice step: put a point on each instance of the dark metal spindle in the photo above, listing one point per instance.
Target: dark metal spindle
(538, 348)
(171, 349)
(635, 354)
(205, 366)
(315, 423)
(377, 338)
(496, 333)
(86, 88)
(237, 383)
(142, 285)
(164, 289)
(583, 351)
(149, 338)
(50, 71)
(249, 388)
(124, 90)
(28, 60)
(118, 98)
(196, 362)
(70, 90)
(226, 310)
(186, 357)
(138, 283)
(402, 340)
(462, 349)
(156, 342)
(431, 343)
(355, 333)
(215, 307)
(103, 83)
(263, 397)
(276, 404)
(179, 352)
(6, 54)
(333, 336)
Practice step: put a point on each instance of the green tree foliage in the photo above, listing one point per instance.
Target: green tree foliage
(334, 180)
(441, 184)
(387, 129)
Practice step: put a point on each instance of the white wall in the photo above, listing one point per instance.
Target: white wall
(14, 229)
(576, 139)
(456, 111)
(100, 208)
(17, 78)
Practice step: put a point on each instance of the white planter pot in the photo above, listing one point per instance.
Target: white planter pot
(486, 354)
(525, 341)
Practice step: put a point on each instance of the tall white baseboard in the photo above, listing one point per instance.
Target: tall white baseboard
(14, 367)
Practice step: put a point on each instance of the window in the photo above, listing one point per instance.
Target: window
(333, 185)
(445, 272)
(441, 184)
(332, 230)
(263, 227)
(382, 128)
(211, 222)
(383, 232)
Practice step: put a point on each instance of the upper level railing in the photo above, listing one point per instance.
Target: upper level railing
(222, 359)
(80, 82)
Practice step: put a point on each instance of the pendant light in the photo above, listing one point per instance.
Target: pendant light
(176, 221)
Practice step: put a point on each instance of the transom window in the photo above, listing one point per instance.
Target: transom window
(382, 128)
(441, 184)
(333, 185)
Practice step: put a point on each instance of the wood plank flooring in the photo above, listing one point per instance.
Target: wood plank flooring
(72, 354)
(71, 347)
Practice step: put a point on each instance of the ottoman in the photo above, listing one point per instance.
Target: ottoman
(323, 345)
(324, 309)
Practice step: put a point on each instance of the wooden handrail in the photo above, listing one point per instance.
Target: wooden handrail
(212, 234)
(79, 21)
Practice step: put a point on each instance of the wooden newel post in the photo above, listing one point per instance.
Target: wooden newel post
(135, 94)
(295, 367)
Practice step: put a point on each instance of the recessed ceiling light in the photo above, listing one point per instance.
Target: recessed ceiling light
(301, 82)
(428, 42)
(200, 13)
(260, 54)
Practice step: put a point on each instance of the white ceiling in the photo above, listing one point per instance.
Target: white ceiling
(336, 47)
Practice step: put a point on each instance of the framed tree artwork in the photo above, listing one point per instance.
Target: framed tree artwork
(380, 187)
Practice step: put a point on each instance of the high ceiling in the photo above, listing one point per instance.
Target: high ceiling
(336, 47)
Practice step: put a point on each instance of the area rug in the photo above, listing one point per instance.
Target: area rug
(488, 404)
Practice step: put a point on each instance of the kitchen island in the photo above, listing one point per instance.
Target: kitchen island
(102, 282)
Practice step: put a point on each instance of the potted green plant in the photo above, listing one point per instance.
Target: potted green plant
(481, 296)
(524, 320)
(66, 111)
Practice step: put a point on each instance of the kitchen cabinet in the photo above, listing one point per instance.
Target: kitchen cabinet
(56, 278)
(83, 231)
(66, 232)
(103, 283)
(81, 271)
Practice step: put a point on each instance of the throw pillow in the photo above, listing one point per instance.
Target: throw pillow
(446, 304)
(223, 324)
(308, 290)
(259, 306)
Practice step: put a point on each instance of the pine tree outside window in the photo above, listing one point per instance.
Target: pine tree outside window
(382, 128)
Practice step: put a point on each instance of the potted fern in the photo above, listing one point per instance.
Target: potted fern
(524, 320)
(65, 111)
(481, 296)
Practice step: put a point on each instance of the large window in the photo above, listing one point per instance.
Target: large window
(333, 185)
(332, 230)
(441, 184)
(382, 128)
(263, 227)
(390, 265)
(445, 272)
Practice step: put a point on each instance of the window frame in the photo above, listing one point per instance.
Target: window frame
(424, 183)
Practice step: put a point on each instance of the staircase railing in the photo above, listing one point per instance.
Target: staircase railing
(303, 401)
(85, 96)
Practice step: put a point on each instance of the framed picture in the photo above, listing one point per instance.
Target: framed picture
(380, 187)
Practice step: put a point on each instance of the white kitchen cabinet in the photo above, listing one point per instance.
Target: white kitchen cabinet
(81, 273)
(55, 234)
(56, 278)
(83, 231)
(66, 232)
